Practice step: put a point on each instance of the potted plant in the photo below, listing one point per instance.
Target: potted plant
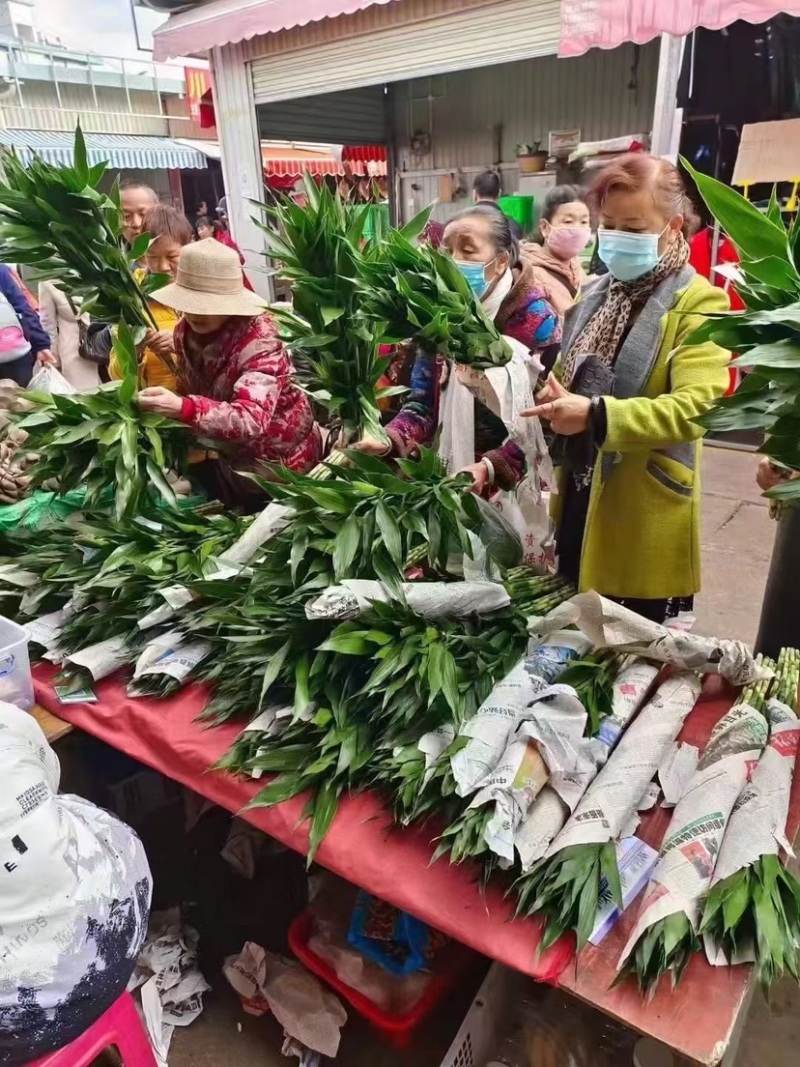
(532, 158)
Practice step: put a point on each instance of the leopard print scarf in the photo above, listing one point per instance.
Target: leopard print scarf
(603, 333)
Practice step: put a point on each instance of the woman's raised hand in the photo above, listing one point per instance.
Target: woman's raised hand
(371, 446)
(160, 401)
(567, 413)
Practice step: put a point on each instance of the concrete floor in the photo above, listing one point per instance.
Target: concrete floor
(737, 537)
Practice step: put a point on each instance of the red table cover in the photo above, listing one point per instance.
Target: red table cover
(362, 845)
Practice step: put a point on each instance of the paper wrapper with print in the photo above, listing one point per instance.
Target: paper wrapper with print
(757, 825)
(614, 795)
(549, 743)
(490, 730)
(692, 844)
(567, 785)
(434, 600)
(609, 625)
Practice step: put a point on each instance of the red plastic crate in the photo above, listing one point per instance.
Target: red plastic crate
(396, 1028)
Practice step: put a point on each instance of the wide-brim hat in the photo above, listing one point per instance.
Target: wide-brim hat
(209, 282)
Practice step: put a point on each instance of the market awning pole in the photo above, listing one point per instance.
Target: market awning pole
(780, 618)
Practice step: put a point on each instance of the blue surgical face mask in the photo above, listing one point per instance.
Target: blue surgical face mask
(629, 256)
(475, 273)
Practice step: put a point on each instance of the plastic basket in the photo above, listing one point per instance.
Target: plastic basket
(474, 1042)
(396, 1028)
(16, 682)
(519, 208)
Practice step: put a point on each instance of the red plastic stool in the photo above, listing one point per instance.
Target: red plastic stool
(120, 1027)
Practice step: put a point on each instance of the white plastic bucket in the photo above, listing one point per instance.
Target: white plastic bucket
(16, 682)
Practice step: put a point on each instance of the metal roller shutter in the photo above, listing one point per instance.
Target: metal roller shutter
(498, 32)
(356, 116)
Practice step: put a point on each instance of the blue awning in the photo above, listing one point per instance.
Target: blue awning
(124, 152)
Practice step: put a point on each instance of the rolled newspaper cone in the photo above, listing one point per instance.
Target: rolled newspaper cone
(692, 844)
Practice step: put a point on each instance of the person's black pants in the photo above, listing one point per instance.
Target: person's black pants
(19, 370)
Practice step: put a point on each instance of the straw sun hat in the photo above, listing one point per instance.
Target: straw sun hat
(209, 282)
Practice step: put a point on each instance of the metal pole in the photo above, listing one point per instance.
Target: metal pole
(780, 619)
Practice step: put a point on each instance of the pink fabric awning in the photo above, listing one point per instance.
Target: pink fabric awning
(589, 24)
(230, 21)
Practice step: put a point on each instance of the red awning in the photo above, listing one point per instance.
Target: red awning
(229, 21)
(289, 162)
(589, 24)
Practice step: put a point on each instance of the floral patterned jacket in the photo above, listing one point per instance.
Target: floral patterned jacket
(526, 316)
(237, 386)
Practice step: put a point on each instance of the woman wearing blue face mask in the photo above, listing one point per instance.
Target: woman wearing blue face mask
(483, 246)
(630, 388)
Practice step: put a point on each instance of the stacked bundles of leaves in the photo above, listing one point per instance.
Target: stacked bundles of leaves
(27, 560)
(766, 334)
(420, 295)
(565, 884)
(55, 220)
(366, 521)
(756, 908)
(665, 937)
(102, 442)
(334, 345)
(592, 678)
(372, 685)
(131, 561)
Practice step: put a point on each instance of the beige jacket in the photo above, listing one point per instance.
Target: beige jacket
(61, 323)
(561, 281)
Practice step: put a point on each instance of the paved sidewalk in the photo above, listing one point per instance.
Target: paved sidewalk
(736, 544)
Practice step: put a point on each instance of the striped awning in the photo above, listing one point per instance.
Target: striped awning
(124, 152)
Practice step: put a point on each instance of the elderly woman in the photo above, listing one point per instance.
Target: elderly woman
(235, 378)
(74, 900)
(485, 250)
(631, 386)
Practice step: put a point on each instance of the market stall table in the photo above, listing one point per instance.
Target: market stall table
(699, 1020)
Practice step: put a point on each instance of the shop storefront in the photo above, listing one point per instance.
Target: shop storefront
(446, 88)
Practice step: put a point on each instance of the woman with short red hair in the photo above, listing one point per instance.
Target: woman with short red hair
(630, 388)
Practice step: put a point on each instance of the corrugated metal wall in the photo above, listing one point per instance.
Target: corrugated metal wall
(489, 34)
(464, 113)
(112, 112)
(370, 20)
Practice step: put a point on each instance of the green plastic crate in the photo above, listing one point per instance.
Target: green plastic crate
(519, 208)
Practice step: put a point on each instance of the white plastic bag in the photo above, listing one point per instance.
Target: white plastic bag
(50, 380)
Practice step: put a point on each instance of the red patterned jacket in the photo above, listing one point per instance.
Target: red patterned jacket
(237, 388)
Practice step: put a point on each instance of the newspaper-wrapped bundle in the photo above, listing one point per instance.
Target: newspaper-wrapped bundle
(609, 625)
(102, 659)
(664, 937)
(434, 600)
(549, 745)
(584, 851)
(752, 892)
(546, 817)
(489, 730)
(165, 664)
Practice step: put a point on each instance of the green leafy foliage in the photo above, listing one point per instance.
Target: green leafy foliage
(420, 295)
(334, 346)
(759, 906)
(55, 220)
(765, 337)
(103, 442)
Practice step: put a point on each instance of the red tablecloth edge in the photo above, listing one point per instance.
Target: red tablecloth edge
(363, 845)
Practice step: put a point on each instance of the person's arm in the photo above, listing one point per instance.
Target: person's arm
(538, 326)
(48, 313)
(415, 423)
(29, 320)
(507, 464)
(698, 376)
(247, 416)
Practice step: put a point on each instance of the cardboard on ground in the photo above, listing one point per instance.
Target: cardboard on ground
(768, 152)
